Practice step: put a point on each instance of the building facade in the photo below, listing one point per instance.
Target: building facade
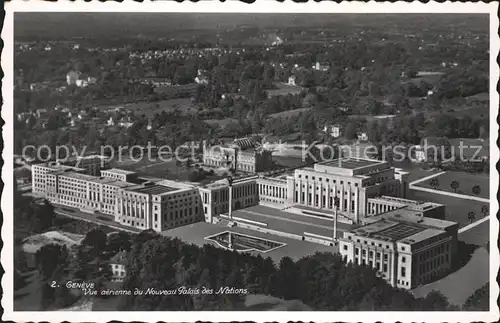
(215, 196)
(407, 249)
(351, 180)
(355, 182)
(39, 174)
(157, 205)
(118, 264)
(242, 155)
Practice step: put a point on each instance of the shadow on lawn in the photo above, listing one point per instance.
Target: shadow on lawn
(464, 255)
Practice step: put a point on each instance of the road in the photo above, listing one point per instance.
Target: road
(93, 218)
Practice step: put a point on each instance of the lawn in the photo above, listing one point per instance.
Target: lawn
(287, 161)
(221, 122)
(162, 169)
(456, 209)
(284, 89)
(478, 235)
(289, 113)
(466, 183)
(151, 108)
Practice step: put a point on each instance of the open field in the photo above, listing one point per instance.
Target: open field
(151, 108)
(465, 180)
(473, 106)
(284, 89)
(471, 148)
(161, 169)
(288, 113)
(221, 122)
(456, 209)
(478, 235)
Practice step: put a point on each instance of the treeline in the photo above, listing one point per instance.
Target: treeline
(322, 281)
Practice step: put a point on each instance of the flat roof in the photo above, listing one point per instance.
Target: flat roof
(104, 180)
(80, 176)
(413, 216)
(398, 231)
(421, 236)
(351, 163)
(153, 189)
(120, 183)
(118, 171)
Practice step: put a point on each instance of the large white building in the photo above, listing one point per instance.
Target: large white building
(215, 196)
(135, 202)
(242, 155)
(406, 248)
(362, 188)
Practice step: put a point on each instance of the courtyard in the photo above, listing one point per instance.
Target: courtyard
(197, 232)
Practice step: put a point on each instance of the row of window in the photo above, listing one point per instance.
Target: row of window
(327, 180)
(379, 266)
(431, 252)
(433, 264)
(371, 254)
(323, 189)
(371, 243)
(344, 206)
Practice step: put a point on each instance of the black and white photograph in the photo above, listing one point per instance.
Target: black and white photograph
(237, 165)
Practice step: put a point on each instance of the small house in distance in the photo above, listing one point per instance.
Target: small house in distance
(362, 136)
(335, 131)
(118, 266)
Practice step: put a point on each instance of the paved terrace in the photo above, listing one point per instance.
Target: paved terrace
(195, 234)
(290, 222)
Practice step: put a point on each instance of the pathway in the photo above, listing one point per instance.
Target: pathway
(473, 224)
(413, 186)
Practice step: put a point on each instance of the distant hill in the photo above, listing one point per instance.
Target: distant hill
(29, 25)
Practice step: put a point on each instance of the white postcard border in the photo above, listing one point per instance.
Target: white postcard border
(260, 6)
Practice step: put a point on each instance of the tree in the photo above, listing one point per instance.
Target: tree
(471, 216)
(484, 210)
(476, 189)
(119, 241)
(97, 239)
(196, 176)
(434, 183)
(235, 279)
(44, 216)
(49, 258)
(350, 131)
(435, 301)
(479, 301)
(455, 185)
(288, 278)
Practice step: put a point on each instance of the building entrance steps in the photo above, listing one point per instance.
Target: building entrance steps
(319, 213)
